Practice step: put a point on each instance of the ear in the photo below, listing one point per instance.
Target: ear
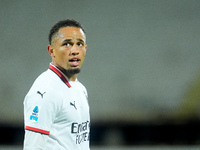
(50, 49)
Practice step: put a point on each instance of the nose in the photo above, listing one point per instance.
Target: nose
(74, 50)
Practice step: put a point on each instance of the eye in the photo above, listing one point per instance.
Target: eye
(68, 44)
(80, 44)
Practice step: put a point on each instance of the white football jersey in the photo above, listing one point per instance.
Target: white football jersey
(58, 108)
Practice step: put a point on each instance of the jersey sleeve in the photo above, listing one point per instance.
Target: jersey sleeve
(40, 110)
(34, 140)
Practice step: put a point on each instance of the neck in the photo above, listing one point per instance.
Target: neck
(71, 77)
(71, 73)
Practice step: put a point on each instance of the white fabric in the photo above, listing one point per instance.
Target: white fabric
(51, 107)
(38, 138)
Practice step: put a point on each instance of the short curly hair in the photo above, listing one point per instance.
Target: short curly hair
(62, 24)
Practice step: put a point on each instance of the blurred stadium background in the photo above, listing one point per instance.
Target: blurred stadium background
(142, 69)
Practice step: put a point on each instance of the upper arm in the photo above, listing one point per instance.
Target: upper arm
(40, 112)
(34, 140)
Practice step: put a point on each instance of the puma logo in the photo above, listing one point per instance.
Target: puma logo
(85, 94)
(73, 104)
(41, 93)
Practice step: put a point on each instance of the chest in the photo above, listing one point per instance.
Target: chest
(74, 107)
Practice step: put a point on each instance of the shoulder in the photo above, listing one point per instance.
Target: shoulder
(47, 81)
(46, 86)
(46, 77)
(81, 85)
(82, 88)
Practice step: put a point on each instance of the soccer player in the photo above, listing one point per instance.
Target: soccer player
(56, 110)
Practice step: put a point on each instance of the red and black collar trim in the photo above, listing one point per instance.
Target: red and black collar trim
(62, 77)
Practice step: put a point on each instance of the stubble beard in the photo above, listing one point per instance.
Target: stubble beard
(72, 71)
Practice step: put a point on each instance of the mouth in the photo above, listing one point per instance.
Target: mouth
(74, 62)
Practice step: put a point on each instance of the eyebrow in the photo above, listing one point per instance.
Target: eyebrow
(81, 40)
(68, 40)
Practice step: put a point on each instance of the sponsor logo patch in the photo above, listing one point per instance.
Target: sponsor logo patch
(82, 131)
(34, 115)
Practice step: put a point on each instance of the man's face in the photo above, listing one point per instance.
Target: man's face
(68, 48)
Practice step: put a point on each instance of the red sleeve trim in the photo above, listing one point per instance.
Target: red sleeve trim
(37, 130)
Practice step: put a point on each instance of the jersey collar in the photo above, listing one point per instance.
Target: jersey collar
(58, 72)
